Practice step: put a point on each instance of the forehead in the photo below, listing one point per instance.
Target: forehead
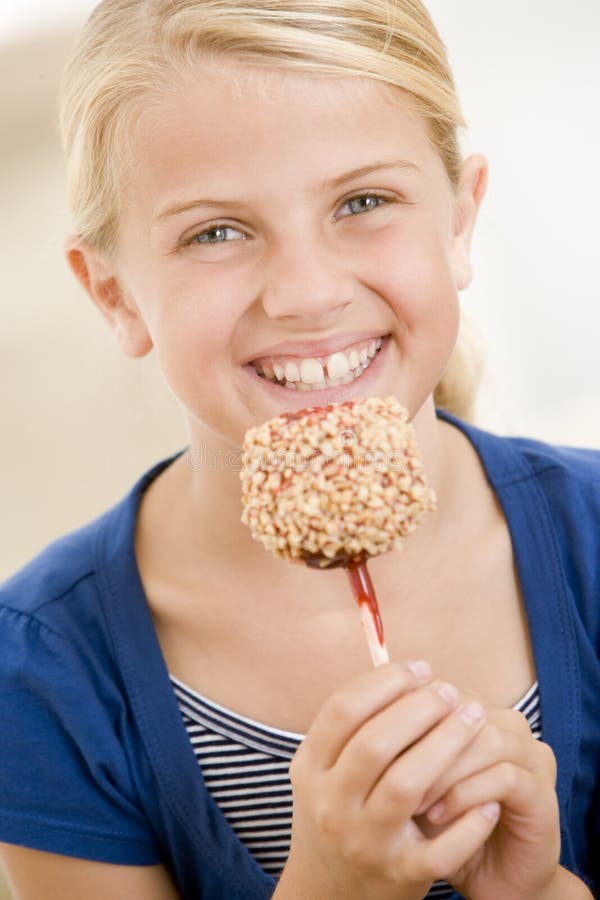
(262, 81)
(246, 125)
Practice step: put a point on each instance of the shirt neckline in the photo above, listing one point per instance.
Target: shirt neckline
(239, 729)
(233, 727)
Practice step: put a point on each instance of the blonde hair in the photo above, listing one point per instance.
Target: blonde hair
(130, 48)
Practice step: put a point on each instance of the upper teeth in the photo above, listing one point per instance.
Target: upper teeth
(311, 371)
(321, 372)
(338, 365)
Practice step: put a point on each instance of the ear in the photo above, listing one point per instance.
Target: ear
(471, 192)
(97, 275)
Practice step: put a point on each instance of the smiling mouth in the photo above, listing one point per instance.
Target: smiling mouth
(318, 373)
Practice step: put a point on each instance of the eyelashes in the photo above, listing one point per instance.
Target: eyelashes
(216, 234)
(224, 233)
(363, 203)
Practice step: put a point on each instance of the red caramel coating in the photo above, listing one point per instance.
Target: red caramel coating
(333, 485)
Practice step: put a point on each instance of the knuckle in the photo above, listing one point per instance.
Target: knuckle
(357, 851)
(400, 677)
(372, 751)
(342, 709)
(325, 819)
(508, 775)
(329, 821)
(400, 672)
(403, 791)
(494, 741)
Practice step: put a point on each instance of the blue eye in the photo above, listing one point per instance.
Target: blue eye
(363, 203)
(218, 234)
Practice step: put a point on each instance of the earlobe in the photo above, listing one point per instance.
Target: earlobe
(97, 276)
(468, 201)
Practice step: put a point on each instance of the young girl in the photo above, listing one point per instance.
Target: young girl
(253, 186)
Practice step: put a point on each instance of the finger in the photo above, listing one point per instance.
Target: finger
(439, 857)
(494, 744)
(349, 708)
(385, 736)
(520, 792)
(401, 788)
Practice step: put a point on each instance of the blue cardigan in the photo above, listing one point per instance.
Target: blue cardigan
(94, 758)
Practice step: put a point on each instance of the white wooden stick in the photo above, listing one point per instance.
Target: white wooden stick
(378, 651)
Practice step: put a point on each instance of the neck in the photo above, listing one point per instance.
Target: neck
(198, 503)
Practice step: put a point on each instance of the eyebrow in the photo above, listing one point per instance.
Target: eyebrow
(384, 165)
(193, 204)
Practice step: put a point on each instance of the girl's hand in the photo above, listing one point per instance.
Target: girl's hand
(507, 765)
(372, 755)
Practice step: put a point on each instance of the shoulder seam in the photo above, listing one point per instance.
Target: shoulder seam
(532, 474)
(33, 616)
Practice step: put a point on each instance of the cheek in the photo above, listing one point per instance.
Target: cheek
(413, 273)
(197, 313)
(193, 322)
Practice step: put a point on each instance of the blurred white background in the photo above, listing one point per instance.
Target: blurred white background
(80, 423)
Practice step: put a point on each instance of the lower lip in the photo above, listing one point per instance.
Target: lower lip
(301, 399)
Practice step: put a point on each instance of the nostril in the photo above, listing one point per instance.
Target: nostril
(315, 310)
(306, 288)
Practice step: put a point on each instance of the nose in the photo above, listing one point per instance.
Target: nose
(306, 280)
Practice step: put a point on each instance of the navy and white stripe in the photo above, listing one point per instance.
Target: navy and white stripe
(531, 708)
(245, 768)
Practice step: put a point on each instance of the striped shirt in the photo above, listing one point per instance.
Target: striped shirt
(245, 768)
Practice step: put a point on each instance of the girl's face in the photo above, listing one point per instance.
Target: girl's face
(289, 240)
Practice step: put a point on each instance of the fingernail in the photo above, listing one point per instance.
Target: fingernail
(447, 692)
(420, 669)
(437, 811)
(491, 811)
(472, 713)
